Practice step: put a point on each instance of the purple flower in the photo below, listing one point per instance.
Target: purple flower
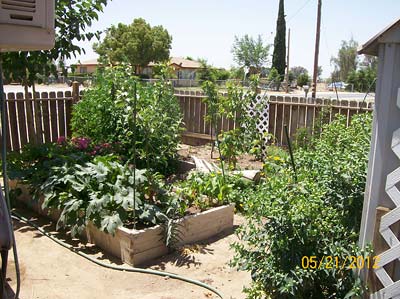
(61, 140)
(81, 143)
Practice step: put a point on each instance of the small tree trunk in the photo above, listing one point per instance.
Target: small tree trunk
(29, 115)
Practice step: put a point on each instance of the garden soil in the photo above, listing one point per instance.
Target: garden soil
(50, 271)
(244, 162)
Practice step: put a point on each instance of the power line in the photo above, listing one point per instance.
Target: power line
(300, 9)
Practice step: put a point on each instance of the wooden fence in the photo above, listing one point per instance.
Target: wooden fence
(48, 116)
(40, 120)
(291, 111)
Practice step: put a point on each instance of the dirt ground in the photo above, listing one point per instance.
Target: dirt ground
(50, 271)
(245, 161)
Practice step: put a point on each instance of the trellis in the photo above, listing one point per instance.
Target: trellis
(259, 108)
(381, 210)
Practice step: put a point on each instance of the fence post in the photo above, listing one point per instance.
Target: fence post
(75, 92)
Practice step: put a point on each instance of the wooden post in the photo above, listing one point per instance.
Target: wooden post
(315, 73)
(75, 91)
(287, 63)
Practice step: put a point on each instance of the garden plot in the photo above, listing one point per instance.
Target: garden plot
(136, 246)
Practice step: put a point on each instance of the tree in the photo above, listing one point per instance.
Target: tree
(370, 62)
(279, 55)
(319, 72)
(346, 60)
(137, 44)
(251, 53)
(303, 79)
(206, 72)
(296, 71)
(364, 79)
(71, 22)
(274, 78)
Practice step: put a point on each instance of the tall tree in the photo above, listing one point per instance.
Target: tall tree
(279, 55)
(251, 53)
(346, 60)
(137, 44)
(73, 17)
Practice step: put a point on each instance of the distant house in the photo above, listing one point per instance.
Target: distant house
(183, 68)
(86, 67)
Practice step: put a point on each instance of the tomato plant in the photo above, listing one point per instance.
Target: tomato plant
(318, 216)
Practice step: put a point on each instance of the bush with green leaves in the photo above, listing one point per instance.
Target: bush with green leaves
(319, 215)
(144, 118)
(234, 105)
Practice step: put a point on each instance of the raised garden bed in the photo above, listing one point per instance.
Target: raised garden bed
(135, 247)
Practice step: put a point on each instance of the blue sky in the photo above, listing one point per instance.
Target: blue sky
(206, 28)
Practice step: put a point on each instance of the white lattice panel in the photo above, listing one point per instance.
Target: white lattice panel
(259, 108)
(391, 289)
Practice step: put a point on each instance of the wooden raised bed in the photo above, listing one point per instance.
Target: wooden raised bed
(135, 247)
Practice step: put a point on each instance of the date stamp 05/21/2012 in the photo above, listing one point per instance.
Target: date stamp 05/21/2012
(335, 262)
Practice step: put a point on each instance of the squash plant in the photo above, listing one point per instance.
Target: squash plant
(103, 191)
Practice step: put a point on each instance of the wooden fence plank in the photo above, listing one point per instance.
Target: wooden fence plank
(61, 114)
(279, 120)
(192, 116)
(46, 118)
(302, 114)
(68, 113)
(286, 119)
(272, 110)
(294, 119)
(310, 117)
(196, 112)
(202, 115)
(186, 113)
(352, 103)
(12, 112)
(21, 119)
(38, 117)
(30, 118)
(53, 116)
(335, 109)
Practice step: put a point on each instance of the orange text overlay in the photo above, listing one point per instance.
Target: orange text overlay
(335, 262)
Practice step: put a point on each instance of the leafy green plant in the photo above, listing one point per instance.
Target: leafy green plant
(144, 118)
(103, 192)
(205, 190)
(234, 105)
(318, 216)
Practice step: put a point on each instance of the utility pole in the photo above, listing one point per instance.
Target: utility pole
(316, 53)
(287, 63)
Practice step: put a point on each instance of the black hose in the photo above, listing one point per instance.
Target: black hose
(291, 153)
(18, 217)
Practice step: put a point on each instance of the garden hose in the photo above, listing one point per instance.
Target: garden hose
(18, 217)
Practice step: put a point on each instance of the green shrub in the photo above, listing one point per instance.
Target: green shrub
(106, 114)
(318, 216)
